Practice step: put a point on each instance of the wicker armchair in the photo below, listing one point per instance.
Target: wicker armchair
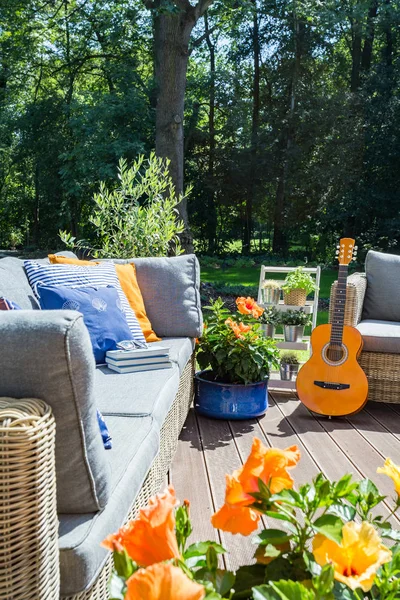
(382, 369)
(29, 567)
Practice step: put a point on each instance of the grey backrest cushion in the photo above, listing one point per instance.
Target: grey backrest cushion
(48, 355)
(170, 289)
(14, 283)
(382, 298)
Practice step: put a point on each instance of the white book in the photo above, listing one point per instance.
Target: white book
(137, 353)
(136, 368)
(139, 362)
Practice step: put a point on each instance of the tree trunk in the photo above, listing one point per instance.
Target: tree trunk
(212, 213)
(172, 34)
(369, 37)
(355, 56)
(255, 123)
(387, 26)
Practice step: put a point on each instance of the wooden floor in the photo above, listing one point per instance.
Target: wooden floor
(208, 449)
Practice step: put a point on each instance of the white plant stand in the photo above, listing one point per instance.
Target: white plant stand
(311, 307)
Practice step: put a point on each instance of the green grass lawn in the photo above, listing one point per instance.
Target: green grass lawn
(251, 276)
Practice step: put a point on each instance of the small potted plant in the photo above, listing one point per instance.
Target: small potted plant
(294, 322)
(235, 359)
(297, 286)
(269, 319)
(270, 292)
(289, 366)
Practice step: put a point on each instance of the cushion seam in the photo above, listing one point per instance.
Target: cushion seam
(80, 426)
(196, 290)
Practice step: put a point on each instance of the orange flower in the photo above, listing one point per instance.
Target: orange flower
(357, 559)
(238, 328)
(163, 582)
(393, 471)
(150, 538)
(268, 464)
(248, 306)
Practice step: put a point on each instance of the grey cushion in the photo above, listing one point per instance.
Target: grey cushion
(136, 394)
(135, 445)
(380, 336)
(382, 298)
(48, 355)
(180, 350)
(14, 284)
(170, 289)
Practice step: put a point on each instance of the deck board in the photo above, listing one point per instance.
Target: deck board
(208, 449)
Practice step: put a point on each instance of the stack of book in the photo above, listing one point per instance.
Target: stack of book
(141, 359)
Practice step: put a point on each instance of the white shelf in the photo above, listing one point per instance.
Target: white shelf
(276, 383)
(293, 345)
(308, 308)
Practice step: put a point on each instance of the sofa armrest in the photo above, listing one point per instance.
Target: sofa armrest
(28, 509)
(356, 288)
(48, 355)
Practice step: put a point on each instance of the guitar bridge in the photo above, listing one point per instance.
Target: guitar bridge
(331, 385)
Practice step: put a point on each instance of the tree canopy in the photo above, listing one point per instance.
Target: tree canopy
(291, 119)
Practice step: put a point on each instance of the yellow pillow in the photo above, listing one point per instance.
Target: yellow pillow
(127, 278)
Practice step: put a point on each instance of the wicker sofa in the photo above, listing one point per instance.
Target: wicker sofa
(60, 491)
(373, 306)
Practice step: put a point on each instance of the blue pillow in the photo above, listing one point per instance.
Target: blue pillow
(74, 276)
(101, 309)
(105, 435)
(8, 304)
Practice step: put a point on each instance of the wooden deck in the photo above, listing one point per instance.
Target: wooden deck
(208, 449)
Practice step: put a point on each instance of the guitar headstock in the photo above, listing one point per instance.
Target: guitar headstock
(346, 251)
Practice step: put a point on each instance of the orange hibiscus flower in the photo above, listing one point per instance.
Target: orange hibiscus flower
(163, 582)
(248, 306)
(357, 559)
(238, 328)
(268, 464)
(393, 471)
(150, 538)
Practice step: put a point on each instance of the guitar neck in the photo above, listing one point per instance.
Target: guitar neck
(339, 306)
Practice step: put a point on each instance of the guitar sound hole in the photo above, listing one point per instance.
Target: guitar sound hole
(335, 353)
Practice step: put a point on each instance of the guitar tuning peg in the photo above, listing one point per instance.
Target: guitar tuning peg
(338, 246)
(355, 247)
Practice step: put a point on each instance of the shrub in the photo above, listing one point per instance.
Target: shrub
(289, 358)
(295, 317)
(139, 217)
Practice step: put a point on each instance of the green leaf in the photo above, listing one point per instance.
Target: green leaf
(271, 536)
(330, 526)
(392, 534)
(201, 548)
(246, 578)
(343, 511)
(123, 564)
(212, 559)
(283, 590)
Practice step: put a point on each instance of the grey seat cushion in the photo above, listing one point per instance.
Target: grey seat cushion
(48, 355)
(382, 298)
(135, 445)
(136, 394)
(180, 349)
(380, 336)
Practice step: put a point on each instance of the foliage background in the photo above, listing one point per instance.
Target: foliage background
(292, 124)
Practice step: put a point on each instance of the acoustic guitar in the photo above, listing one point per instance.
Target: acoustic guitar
(332, 382)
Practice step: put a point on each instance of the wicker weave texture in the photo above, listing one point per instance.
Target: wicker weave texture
(356, 287)
(29, 563)
(295, 297)
(383, 372)
(156, 477)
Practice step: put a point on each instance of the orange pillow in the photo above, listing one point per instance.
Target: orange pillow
(127, 278)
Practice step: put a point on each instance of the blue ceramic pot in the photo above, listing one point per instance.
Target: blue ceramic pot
(228, 400)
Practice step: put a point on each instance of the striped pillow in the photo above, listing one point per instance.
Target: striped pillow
(102, 275)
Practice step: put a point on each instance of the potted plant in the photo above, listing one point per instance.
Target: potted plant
(297, 286)
(235, 359)
(270, 291)
(269, 319)
(289, 366)
(294, 322)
